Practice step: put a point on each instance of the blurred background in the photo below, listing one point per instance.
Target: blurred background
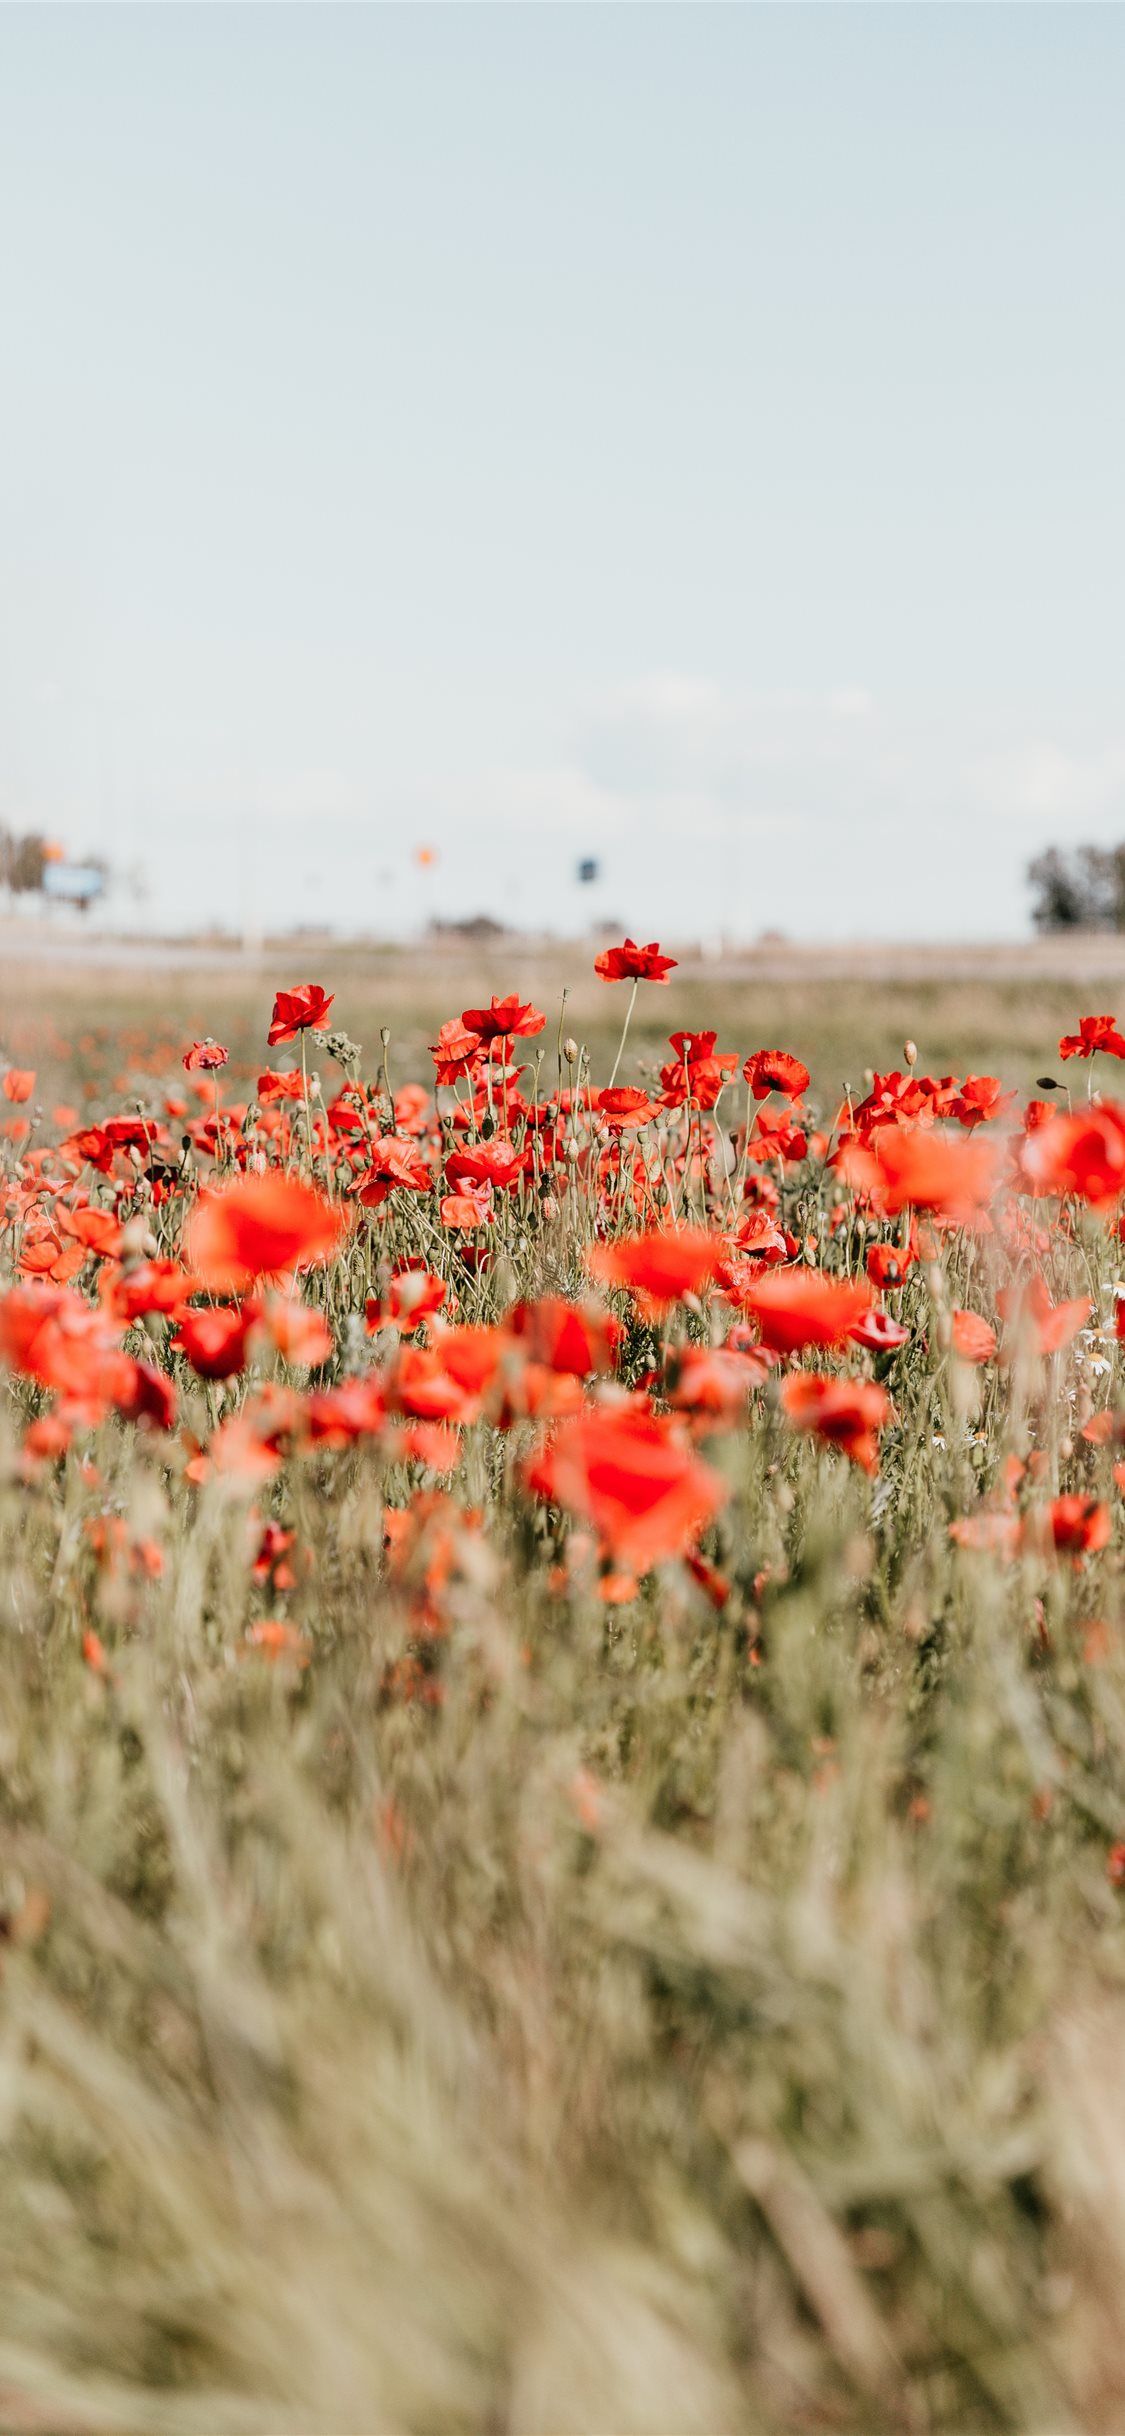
(566, 467)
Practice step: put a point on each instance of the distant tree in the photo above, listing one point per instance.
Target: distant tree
(1081, 890)
(477, 927)
(23, 861)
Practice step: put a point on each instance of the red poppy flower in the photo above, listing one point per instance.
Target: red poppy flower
(990, 1534)
(205, 1057)
(394, 1166)
(472, 1356)
(697, 1072)
(90, 1147)
(632, 963)
(1082, 1154)
(798, 1307)
(300, 1336)
(503, 1019)
(271, 1561)
(45, 1256)
(497, 1163)
(877, 1332)
(713, 1383)
(973, 1338)
(757, 1237)
(260, 1226)
(579, 1338)
(161, 1286)
(1094, 1032)
(214, 1341)
(847, 1412)
(19, 1083)
(413, 1109)
(133, 1133)
(249, 1446)
(980, 1099)
(624, 1107)
(423, 1387)
(775, 1070)
(275, 1638)
(628, 1473)
(903, 1169)
(660, 1267)
(303, 1009)
(1077, 1526)
(98, 1231)
(413, 1295)
(51, 1334)
(339, 1416)
(887, 1263)
(436, 1445)
(776, 1138)
(455, 1051)
(468, 1209)
(274, 1086)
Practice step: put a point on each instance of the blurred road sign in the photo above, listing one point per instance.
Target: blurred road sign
(73, 883)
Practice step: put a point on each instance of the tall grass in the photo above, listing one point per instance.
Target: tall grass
(666, 2018)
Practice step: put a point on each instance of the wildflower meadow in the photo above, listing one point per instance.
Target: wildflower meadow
(562, 1732)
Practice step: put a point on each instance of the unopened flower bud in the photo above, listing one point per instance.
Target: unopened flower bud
(570, 1050)
(910, 1052)
(137, 1239)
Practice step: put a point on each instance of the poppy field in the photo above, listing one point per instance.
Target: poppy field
(562, 1728)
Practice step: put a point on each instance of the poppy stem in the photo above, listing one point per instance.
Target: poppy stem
(305, 1099)
(624, 1032)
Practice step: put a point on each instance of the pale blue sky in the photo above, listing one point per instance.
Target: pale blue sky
(691, 436)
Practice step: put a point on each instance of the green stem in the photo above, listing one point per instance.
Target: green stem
(624, 1032)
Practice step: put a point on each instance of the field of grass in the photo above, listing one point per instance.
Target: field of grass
(562, 1753)
(993, 1009)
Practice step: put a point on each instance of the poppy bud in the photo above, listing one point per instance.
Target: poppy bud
(570, 1050)
(910, 1052)
(137, 1239)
